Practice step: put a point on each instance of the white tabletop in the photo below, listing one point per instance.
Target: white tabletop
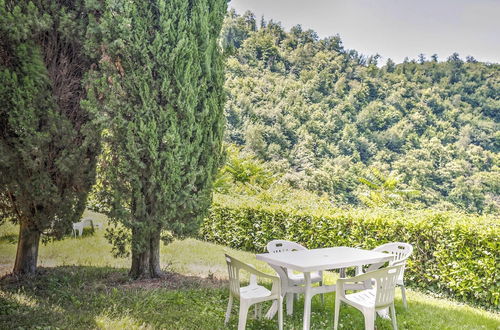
(323, 259)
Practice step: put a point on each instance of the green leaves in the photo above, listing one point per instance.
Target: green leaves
(385, 190)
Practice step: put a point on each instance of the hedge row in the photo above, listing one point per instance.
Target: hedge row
(454, 254)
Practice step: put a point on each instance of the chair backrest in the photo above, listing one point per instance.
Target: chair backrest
(278, 246)
(385, 284)
(401, 252)
(233, 268)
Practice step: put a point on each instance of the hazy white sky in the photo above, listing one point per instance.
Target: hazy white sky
(394, 28)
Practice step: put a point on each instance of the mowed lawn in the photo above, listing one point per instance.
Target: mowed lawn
(81, 286)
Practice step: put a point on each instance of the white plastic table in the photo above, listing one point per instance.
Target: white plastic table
(308, 261)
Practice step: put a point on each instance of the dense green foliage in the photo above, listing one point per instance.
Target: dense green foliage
(160, 84)
(48, 141)
(454, 254)
(324, 116)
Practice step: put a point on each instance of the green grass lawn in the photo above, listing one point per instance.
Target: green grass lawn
(82, 286)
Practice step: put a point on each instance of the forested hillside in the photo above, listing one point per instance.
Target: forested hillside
(329, 120)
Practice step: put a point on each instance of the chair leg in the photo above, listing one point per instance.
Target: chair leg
(280, 313)
(256, 311)
(403, 295)
(242, 321)
(393, 317)
(229, 307)
(369, 319)
(289, 303)
(337, 314)
(272, 311)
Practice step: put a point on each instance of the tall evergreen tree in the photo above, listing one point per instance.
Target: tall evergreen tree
(48, 141)
(421, 58)
(161, 79)
(390, 66)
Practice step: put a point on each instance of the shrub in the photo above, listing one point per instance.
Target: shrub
(454, 254)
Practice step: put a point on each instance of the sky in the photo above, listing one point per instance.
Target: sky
(394, 28)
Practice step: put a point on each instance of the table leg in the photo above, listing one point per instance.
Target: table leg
(307, 301)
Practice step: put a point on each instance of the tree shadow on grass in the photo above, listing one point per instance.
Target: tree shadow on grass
(95, 297)
(76, 297)
(15, 308)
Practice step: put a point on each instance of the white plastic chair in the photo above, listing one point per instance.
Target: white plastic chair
(401, 252)
(251, 294)
(368, 301)
(291, 280)
(87, 222)
(78, 227)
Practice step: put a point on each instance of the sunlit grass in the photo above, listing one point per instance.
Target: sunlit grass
(125, 322)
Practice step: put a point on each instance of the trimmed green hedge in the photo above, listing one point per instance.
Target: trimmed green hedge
(454, 253)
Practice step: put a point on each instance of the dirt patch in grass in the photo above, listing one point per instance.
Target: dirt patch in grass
(175, 281)
(5, 269)
(92, 279)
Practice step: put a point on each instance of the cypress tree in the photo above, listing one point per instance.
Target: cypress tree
(48, 141)
(161, 78)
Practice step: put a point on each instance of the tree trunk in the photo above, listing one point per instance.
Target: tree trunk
(27, 250)
(146, 262)
(154, 257)
(140, 264)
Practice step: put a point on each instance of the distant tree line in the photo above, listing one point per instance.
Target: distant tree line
(326, 118)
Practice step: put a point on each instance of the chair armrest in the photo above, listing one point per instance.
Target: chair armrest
(341, 282)
(367, 277)
(401, 262)
(357, 278)
(253, 271)
(375, 266)
(344, 284)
